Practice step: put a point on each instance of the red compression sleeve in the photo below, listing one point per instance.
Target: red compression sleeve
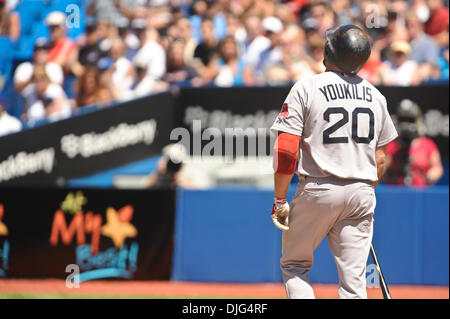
(285, 153)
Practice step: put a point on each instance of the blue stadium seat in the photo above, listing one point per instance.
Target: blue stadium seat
(29, 10)
(23, 48)
(44, 12)
(62, 4)
(40, 30)
(13, 101)
(27, 18)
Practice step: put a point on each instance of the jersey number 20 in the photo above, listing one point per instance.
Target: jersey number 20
(327, 139)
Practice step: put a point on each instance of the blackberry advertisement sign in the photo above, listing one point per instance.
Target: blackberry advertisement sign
(125, 234)
(208, 121)
(229, 121)
(231, 113)
(86, 144)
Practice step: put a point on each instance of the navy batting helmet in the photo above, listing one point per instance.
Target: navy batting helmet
(347, 47)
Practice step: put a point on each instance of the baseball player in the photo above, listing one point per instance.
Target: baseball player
(337, 125)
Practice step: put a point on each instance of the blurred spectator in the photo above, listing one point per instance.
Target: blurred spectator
(8, 124)
(143, 83)
(236, 29)
(190, 43)
(295, 57)
(178, 73)
(197, 14)
(323, 14)
(265, 42)
(63, 51)
(133, 9)
(313, 46)
(123, 27)
(370, 70)
(439, 18)
(443, 66)
(396, 28)
(216, 11)
(207, 48)
(111, 10)
(285, 14)
(90, 51)
(424, 50)
(277, 74)
(150, 49)
(255, 41)
(399, 69)
(273, 53)
(24, 71)
(90, 88)
(105, 29)
(9, 22)
(122, 69)
(421, 9)
(315, 49)
(394, 31)
(44, 98)
(230, 68)
(169, 171)
(413, 159)
(344, 11)
(132, 33)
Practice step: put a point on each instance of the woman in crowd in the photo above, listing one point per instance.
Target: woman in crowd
(90, 89)
(44, 98)
(177, 72)
(9, 22)
(230, 68)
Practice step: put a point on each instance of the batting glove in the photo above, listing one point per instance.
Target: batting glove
(280, 213)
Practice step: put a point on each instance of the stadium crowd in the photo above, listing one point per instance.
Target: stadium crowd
(132, 48)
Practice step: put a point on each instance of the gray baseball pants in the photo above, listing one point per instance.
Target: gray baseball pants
(341, 210)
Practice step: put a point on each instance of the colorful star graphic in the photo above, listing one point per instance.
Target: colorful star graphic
(73, 203)
(118, 228)
(3, 228)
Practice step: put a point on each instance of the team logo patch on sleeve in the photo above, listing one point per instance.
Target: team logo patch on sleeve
(284, 111)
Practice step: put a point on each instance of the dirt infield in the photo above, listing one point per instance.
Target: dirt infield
(168, 289)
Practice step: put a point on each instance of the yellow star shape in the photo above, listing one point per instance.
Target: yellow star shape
(116, 229)
(3, 229)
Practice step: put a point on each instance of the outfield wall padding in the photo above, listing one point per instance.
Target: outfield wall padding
(227, 235)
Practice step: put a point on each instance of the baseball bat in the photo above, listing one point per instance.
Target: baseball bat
(383, 285)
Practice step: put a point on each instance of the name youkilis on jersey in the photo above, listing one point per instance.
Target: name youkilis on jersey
(346, 91)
